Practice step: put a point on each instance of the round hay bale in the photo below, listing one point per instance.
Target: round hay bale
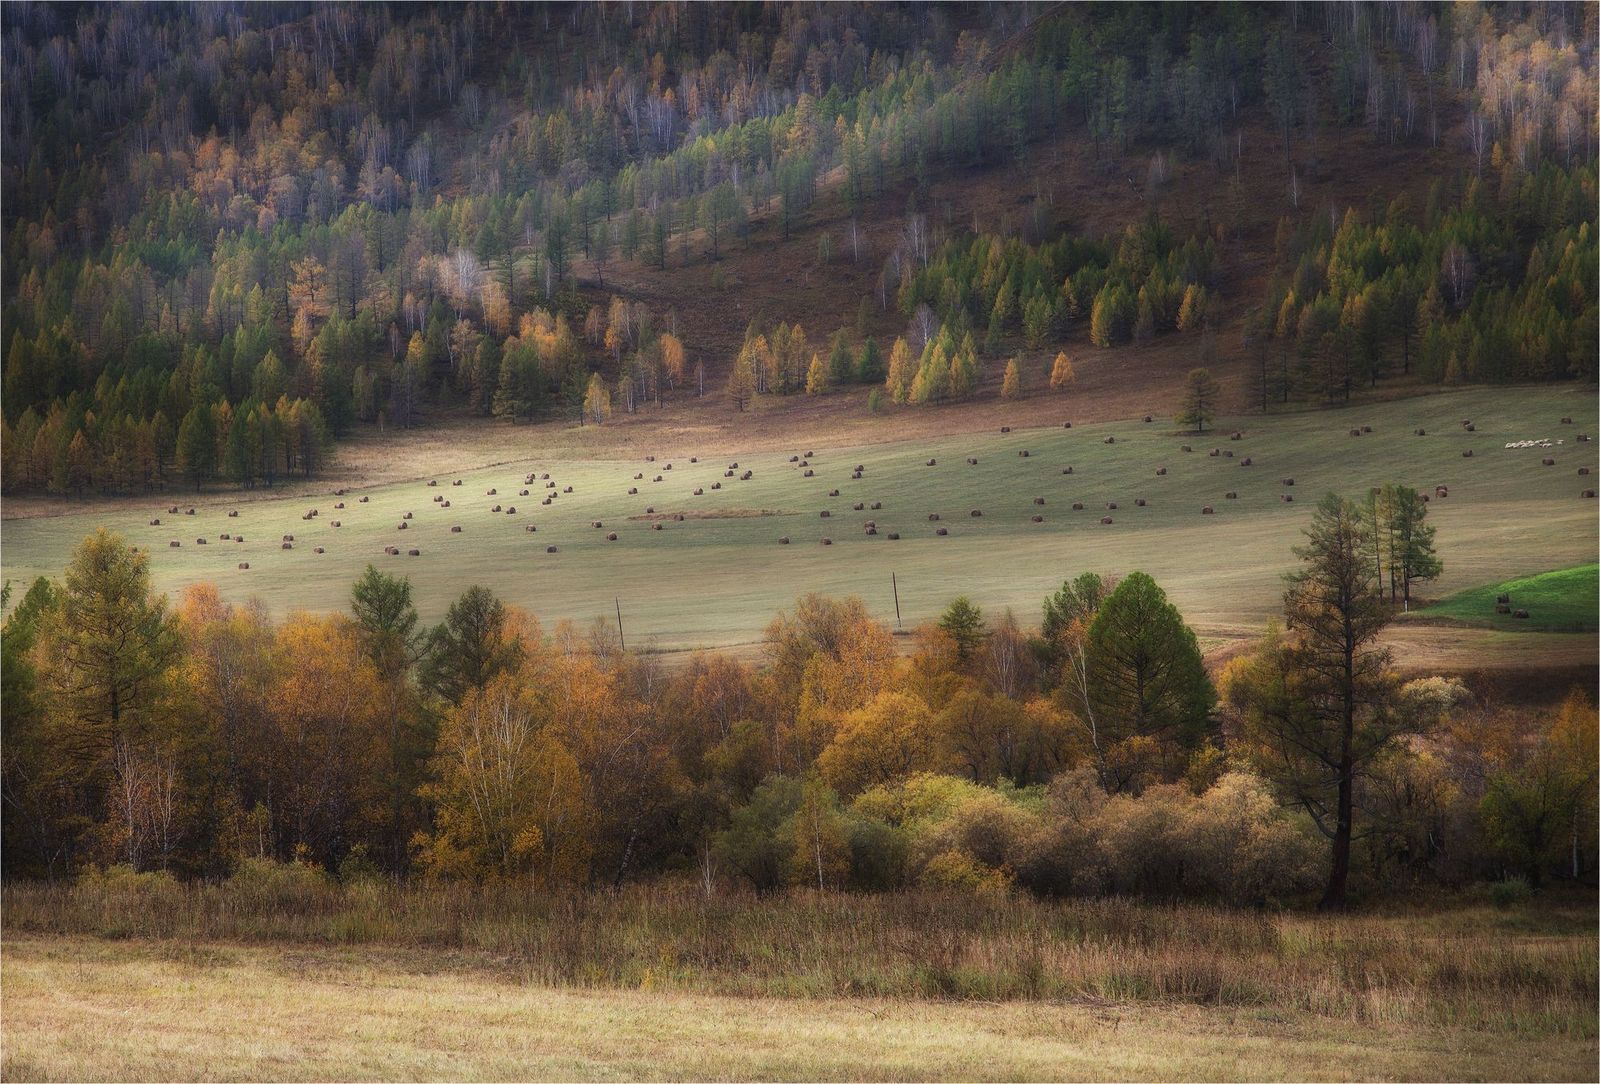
(455, 530)
(649, 459)
(1288, 481)
(550, 549)
(1566, 421)
(1024, 453)
(942, 531)
(972, 461)
(678, 517)
(1548, 462)
(1207, 510)
(1236, 436)
(155, 523)
(238, 538)
(1148, 419)
(749, 474)
(596, 524)
(655, 526)
(1422, 432)
(727, 474)
(810, 454)
(716, 485)
(875, 505)
(431, 482)
(174, 544)
(1160, 471)
(1355, 432)
(317, 549)
(1105, 519)
(667, 467)
(244, 564)
(1138, 502)
(406, 516)
(933, 517)
(1366, 428)
(827, 541)
(932, 462)
(1467, 454)
(633, 491)
(858, 506)
(444, 504)
(199, 541)
(511, 510)
(522, 493)
(1501, 608)
(1583, 438)
(549, 485)
(235, 513)
(492, 492)
(340, 492)
(544, 477)
(414, 553)
(893, 536)
(1038, 519)
(696, 459)
(976, 512)
(611, 536)
(1246, 461)
(1038, 500)
(1110, 440)
(833, 492)
(794, 459)
(784, 541)
(1471, 428)
(1227, 454)
(173, 510)
(872, 530)
(1077, 506)
(1111, 505)
(363, 500)
(870, 523)
(392, 551)
(810, 474)
(1583, 471)
(1588, 494)
(1520, 615)
(403, 524)
(437, 500)
(1066, 470)
(699, 493)
(1214, 452)
(1005, 429)
(1502, 597)
(1286, 498)
(826, 513)
(456, 482)
(530, 528)
(639, 477)
(288, 538)
(190, 512)
(288, 545)
(1231, 496)
(855, 475)
(568, 489)
(650, 511)
(227, 537)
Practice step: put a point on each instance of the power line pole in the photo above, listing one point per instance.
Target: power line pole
(620, 639)
(896, 585)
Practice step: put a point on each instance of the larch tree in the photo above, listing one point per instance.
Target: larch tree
(816, 376)
(1011, 387)
(1061, 374)
(1199, 400)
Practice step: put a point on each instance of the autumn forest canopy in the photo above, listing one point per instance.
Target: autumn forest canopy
(236, 234)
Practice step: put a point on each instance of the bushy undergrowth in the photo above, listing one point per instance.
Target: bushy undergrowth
(1529, 968)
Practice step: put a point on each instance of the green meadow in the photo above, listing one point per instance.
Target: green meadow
(715, 577)
(1564, 600)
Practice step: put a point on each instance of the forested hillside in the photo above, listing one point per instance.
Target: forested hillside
(235, 234)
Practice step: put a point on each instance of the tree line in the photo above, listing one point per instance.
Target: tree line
(1094, 753)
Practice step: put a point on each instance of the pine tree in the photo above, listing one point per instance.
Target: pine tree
(963, 622)
(197, 446)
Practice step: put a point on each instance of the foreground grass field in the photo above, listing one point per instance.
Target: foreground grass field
(78, 1009)
(1565, 600)
(714, 578)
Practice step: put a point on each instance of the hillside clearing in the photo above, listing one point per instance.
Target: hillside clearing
(715, 582)
(1563, 600)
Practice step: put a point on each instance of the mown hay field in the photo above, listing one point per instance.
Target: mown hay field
(715, 577)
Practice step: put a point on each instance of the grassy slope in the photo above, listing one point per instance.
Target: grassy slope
(77, 1009)
(1565, 600)
(710, 582)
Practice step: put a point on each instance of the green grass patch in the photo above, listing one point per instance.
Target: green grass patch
(1563, 600)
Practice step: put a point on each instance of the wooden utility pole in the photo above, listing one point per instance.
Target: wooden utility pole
(896, 585)
(620, 639)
